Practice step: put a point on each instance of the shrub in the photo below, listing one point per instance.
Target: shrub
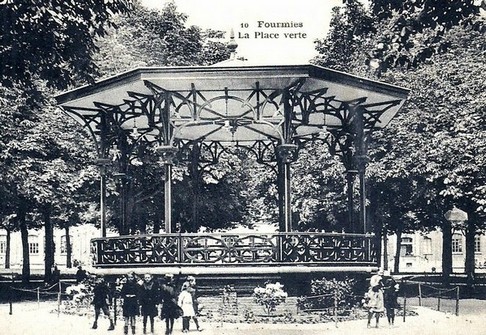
(80, 298)
(270, 296)
(324, 294)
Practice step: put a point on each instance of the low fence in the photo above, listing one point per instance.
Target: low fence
(40, 293)
(432, 296)
(229, 307)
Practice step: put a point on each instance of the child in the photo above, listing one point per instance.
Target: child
(170, 310)
(186, 303)
(375, 298)
(129, 293)
(101, 302)
(149, 298)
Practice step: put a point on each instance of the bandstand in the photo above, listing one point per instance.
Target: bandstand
(269, 110)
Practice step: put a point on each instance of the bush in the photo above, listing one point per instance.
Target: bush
(270, 296)
(80, 298)
(325, 292)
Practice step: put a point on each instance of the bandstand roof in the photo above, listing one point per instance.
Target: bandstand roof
(228, 103)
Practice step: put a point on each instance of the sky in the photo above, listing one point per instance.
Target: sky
(267, 31)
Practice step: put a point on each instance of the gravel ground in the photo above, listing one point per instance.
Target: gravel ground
(31, 319)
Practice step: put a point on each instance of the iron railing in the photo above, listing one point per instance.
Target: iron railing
(234, 249)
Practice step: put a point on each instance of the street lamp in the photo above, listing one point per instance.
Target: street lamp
(456, 215)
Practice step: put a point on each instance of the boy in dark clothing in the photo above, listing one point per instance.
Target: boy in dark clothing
(130, 294)
(390, 294)
(101, 301)
(170, 310)
(80, 274)
(149, 298)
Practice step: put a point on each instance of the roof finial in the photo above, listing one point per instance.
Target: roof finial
(232, 45)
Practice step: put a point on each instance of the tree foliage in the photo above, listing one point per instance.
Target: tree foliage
(147, 37)
(432, 154)
(41, 40)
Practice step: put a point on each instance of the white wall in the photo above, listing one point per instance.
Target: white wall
(80, 240)
(427, 253)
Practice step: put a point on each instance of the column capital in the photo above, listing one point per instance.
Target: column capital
(287, 152)
(167, 153)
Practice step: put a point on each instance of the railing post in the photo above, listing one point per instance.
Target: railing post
(10, 296)
(59, 299)
(457, 300)
(438, 300)
(404, 301)
(114, 309)
(335, 308)
(179, 243)
(420, 294)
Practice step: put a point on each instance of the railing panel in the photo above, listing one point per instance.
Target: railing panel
(323, 248)
(234, 249)
(229, 249)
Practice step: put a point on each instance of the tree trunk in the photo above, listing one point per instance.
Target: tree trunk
(396, 264)
(24, 234)
(470, 262)
(49, 243)
(385, 249)
(69, 252)
(446, 252)
(7, 250)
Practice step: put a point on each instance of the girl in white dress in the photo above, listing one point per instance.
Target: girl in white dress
(187, 305)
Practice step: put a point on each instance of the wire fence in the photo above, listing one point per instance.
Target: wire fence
(337, 307)
(434, 297)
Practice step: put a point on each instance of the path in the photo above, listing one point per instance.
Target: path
(29, 319)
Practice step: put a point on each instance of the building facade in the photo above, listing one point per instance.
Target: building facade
(422, 252)
(80, 242)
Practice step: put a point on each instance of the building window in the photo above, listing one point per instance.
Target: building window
(427, 247)
(477, 244)
(406, 246)
(33, 248)
(457, 243)
(33, 245)
(64, 244)
(3, 246)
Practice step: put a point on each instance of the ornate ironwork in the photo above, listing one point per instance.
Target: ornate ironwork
(232, 249)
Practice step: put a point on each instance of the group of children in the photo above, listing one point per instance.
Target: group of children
(142, 296)
(382, 297)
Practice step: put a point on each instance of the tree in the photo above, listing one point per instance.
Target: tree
(44, 156)
(318, 190)
(437, 140)
(40, 46)
(146, 37)
(41, 40)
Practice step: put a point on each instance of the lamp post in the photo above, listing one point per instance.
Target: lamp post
(456, 217)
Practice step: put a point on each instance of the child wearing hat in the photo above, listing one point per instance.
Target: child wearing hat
(186, 303)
